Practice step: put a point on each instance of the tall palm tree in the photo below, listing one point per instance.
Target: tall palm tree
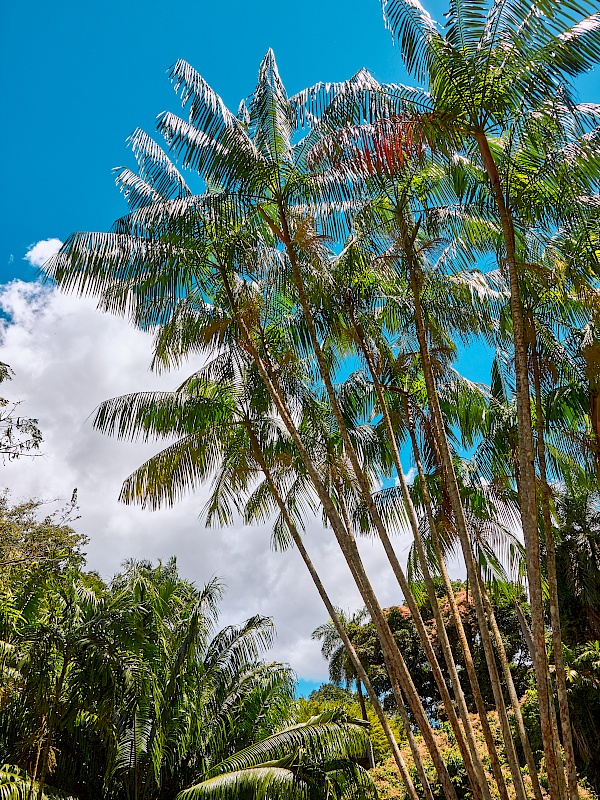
(257, 206)
(483, 73)
(341, 669)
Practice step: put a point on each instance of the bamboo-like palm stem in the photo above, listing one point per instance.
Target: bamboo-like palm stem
(457, 619)
(526, 459)
(412, 743)
(360, 671)
(457, 508)
(398, 672)
(481, 783)
(512, 693)
(559, 666)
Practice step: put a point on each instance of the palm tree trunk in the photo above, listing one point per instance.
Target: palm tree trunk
(460, 520)
(526, 457)
(412, 743)
(479, 779)
(365, 491)
(553, 721)
(363, 711)
(457, 619)
(50, 733)
(361, 699)
(361, 673)
(559, 666)
(37, 761)
(514, 700)
(398, 667)
(396, 689)
(399, 674)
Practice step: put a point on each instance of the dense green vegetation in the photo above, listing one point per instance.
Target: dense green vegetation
(327, 255)
(131, 689)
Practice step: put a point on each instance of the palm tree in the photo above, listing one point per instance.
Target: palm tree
(341, 669)
(60, 645)
(254, 219)
(132, 690)
(483, 74)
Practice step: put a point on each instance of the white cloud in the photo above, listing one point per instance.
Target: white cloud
(67, 358)
(40, 252)
(410, 475)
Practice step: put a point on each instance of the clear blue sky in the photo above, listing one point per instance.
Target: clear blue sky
(77, 78)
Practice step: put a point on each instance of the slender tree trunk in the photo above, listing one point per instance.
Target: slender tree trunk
(460, 520)
(559, 666)
(363, 711)
(553, 722)
(352, 654)
(51, 714)
(527, 494)
(512, 693)
(395, 664)
(479, 779)
(399, 670)
(361, 700)
(395, 687)
(457, 619)
(414, 749)
(365, 491)
(37, 761)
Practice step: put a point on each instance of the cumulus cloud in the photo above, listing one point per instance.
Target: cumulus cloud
(40, 252)
(67, 358)
(410, 475)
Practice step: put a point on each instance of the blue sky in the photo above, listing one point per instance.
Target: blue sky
(76, 79)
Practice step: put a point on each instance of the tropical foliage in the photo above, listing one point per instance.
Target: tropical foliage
(131, 690)
(346, 241)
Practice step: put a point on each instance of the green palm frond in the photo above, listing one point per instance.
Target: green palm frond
(328, 737)
(416, 33)
(257, 782)
(16, 785)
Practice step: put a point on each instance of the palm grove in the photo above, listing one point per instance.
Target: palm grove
(346, 242)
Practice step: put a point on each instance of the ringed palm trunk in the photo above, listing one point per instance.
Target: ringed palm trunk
(457, 619)
(365, 492)
(559, 666)
(398, 672)
(527, 492)
(401, 706)
(514, 700)
(362, 677)
(458, 511)
(442, 635)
